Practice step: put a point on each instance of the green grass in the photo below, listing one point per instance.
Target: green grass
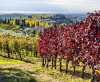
(15, 75)
(14, 71)
(10, 27)
(23, 73)
(9, 61)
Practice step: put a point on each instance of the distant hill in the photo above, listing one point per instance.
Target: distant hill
(51, 18)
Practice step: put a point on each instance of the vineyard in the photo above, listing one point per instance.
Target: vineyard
(78, 44)
(60, 47)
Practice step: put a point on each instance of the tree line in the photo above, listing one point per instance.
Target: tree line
(29, 22)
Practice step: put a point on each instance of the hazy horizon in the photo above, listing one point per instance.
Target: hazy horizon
(48, 6)
(28, 13)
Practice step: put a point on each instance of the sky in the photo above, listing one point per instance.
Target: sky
(49, 6)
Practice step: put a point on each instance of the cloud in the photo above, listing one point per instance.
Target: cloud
(78, 5)
(29, 6)
(54, 6)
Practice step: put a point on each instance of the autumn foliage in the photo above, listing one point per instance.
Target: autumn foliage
(78, 43)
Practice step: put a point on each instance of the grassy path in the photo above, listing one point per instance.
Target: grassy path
(28, 70)
(21, 70)
(18, 71)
